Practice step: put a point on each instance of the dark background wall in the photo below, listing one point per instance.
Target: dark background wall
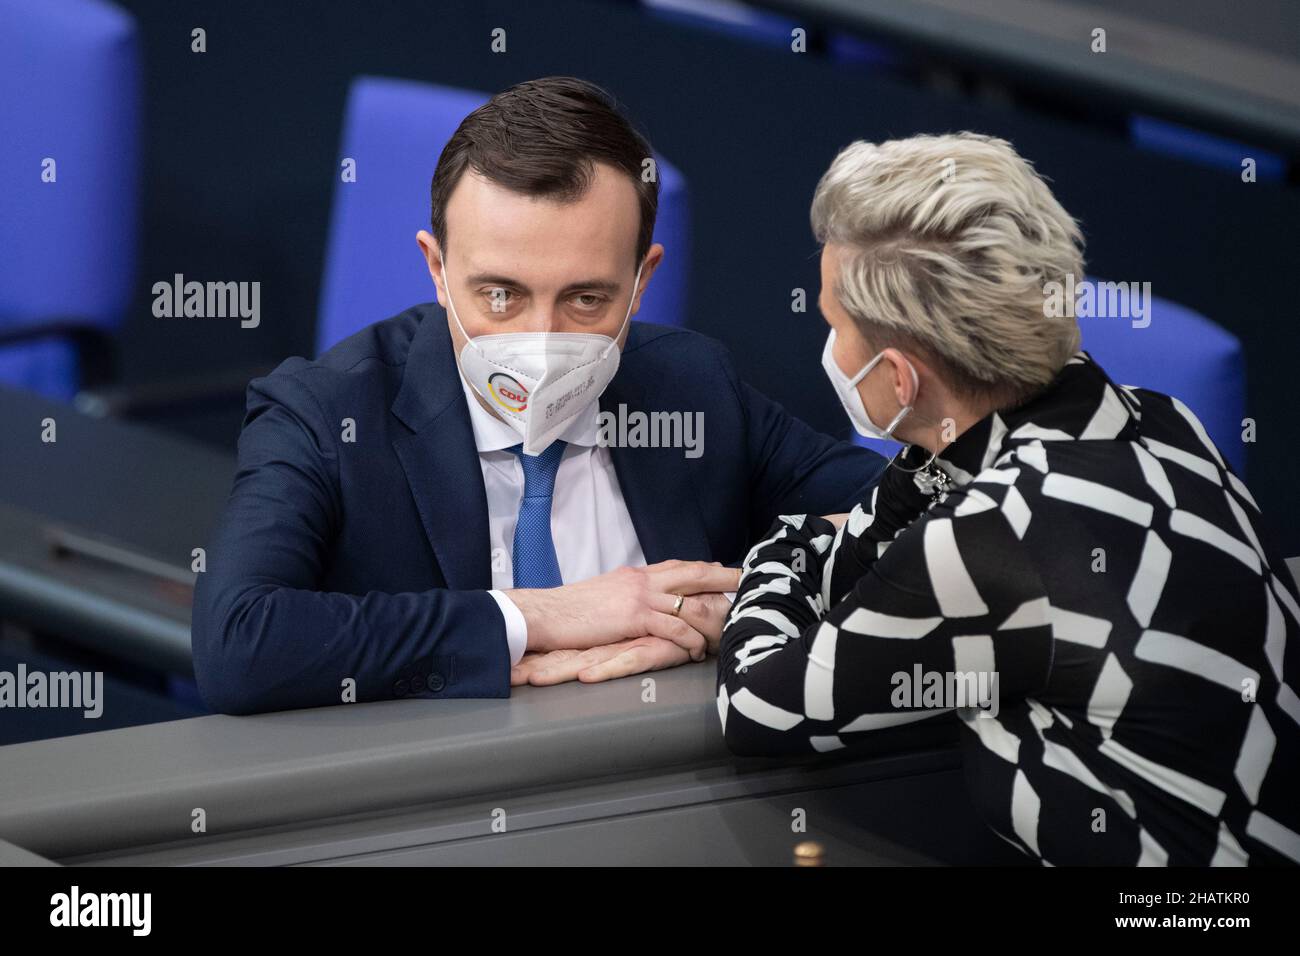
(241, 159)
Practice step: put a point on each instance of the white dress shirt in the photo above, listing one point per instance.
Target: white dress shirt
(590, 524)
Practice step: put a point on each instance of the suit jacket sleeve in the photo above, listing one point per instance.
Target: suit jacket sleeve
(266, 638)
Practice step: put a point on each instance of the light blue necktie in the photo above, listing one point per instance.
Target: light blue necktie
(533, 559)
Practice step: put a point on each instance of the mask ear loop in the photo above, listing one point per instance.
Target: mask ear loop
(454, 314)
(904, 451)
(902, 412)
(866, 369)
(627, 317)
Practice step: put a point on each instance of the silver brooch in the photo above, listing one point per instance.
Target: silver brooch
(932, 481)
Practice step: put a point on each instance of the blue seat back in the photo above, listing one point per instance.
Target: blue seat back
(1183, 354)
(69, 113)
(395, 131)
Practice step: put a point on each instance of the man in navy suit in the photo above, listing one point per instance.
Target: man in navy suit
(452, 500)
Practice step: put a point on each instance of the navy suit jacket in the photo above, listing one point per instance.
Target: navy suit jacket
(368, 559)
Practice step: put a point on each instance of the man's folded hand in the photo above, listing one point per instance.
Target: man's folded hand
(623, 623)
(628, 602)
(636, 655)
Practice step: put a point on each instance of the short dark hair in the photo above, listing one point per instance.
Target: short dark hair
(543, 138)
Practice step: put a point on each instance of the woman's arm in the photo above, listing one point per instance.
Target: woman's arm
(949, 601)
(863, 537)
(824, 557)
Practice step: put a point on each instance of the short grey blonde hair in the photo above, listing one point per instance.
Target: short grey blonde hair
(948, 242)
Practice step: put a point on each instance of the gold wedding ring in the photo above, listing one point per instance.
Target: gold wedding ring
(681, 599)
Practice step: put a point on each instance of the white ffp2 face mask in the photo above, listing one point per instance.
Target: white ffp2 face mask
(538, 382)
(847, 390)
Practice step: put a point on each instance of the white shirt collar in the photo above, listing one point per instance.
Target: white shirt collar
(493, 434)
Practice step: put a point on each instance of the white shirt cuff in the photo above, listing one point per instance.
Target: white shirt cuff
(516, 626)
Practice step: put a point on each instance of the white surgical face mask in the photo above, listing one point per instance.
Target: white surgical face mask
(538, 382)
(847, 390)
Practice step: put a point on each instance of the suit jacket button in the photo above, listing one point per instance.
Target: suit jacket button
(436, 683)
(402, 687)
(417, 684)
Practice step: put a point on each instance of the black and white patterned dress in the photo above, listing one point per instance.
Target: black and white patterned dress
(1097, 562)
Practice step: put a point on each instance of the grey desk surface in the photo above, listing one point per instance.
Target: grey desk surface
(11, 855)
(1230, 66)
(122, 790)
(123, 485)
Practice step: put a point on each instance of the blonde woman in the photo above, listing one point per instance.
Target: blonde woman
(1066, 563)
